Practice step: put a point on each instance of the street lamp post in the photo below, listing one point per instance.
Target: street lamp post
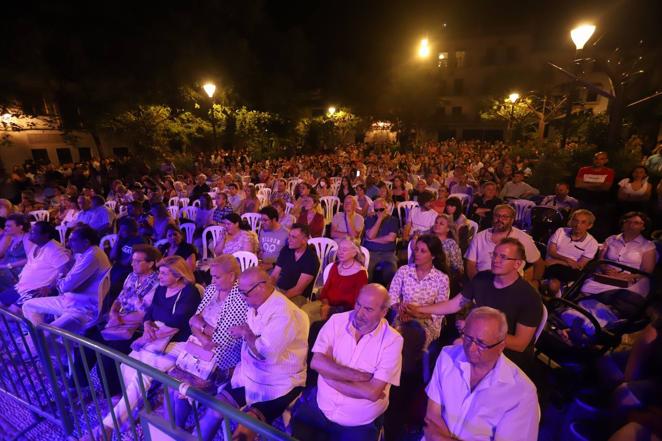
(210, 89)
(579, 36)
(513, 97)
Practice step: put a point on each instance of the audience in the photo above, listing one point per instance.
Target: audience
(238, 236)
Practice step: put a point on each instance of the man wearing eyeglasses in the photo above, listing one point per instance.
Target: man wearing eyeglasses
(272, 370)
(478, 255)
(476, 393)
(504, 289)
(381, 231)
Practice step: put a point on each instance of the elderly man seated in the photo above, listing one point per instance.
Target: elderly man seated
(476, 393)
(358, 357)
(272, 369)
(47, 259)
(78, 302)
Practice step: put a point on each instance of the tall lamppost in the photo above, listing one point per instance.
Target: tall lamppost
(579, 36)
(513, 97)
(210, 89)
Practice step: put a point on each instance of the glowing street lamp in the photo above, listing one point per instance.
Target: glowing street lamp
(513, 97)
(424, 48)
(210, 89)
(331, 111)
(581, 34)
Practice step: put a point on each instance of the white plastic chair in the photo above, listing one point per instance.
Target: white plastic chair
(523, 208)
(124, 210)
(41, 215)
(188, 229)
(62, 231)
(260, 186)
(541, 326)
(324, 248)
(184, 202)
(433, 190)
(174, 211)
(325, 274)
(173, 201)
(291, 185)
(158, 243)
(108, 240)
(266, 193)
(464, 198)
(288, 207)
(263, 200)
(215, 231)
(111, 204)
(473, 228)
(389, 185)
(253, 220)
(407, 206)
(330, 205)
(196, 203)
(189, 212)
(246, 259)
(366, 256)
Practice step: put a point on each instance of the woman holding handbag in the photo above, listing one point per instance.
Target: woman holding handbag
(166, 330)
(211, 352)
(128, 311)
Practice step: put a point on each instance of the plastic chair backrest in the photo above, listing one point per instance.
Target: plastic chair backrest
(62, 231)
(41, 215)
(464, 198)
(189, 212)
(260, 186)
(325, 274)
(196, 203)
(189, 229)
(523, 209)
(184, 202)
(174, 211)
(253, 220)
(173, 201)
(405, 206)
(366, 256)
(111, 204)
(246, 259)
(324, 248)
(215, 231)
(288, 207)
(266, 192)
(330, 204)
(541, 326)
(109, 240)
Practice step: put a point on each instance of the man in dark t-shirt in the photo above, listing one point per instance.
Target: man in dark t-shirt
(504, 289)
(297, 266)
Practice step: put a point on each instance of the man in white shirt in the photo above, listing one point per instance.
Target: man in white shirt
(47, 259)
(78, 302)
(476, 393)
(479, 254)
(358, 357)
(421, 218)
(272, 370)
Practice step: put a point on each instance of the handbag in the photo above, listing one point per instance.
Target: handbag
(206, 385)
(196, 360)
(164, 334)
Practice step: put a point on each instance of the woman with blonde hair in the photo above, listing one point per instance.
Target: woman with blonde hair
(166, 331)
(344, 281)
(311, 214)
(211, 352)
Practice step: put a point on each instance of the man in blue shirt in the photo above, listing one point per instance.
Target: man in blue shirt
(381, 232)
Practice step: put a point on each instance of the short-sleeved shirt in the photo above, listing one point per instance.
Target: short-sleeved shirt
(482, 246)
(573, 249)
(339, 219)
(379, 352)
(291, 269)
(519, 301)
(271, 242)
(590, 175)
(126, 249)
(421, 220)
(389, 225)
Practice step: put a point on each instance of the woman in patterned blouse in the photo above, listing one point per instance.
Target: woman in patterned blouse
(238, 236)
(423, 282)
(222, 307)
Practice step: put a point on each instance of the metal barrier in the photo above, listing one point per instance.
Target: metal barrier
(59, 383)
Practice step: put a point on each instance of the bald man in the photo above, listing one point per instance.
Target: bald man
(358, 357)
(272, 370)
(476, 393)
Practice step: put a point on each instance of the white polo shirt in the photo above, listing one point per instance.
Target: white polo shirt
(503, 406)
(282, 344)
(482, 246)
(379, 352)
(573, 249)
(422, 220)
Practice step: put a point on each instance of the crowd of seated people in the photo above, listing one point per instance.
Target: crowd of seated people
(327, 343)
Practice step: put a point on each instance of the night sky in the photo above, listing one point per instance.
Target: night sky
(266, 55)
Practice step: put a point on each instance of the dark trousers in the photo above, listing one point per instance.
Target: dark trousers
(310, 423)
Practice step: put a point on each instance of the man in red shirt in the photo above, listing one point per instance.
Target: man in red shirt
(596, 179)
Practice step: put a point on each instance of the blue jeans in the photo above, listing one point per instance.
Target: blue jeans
(309, 423)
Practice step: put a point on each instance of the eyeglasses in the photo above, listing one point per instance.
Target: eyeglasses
(379, 210)
(494, 256)
(468, 340)
(246, 293)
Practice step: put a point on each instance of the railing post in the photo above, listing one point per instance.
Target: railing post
(39, 338)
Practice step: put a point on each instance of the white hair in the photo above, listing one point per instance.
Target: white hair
(485, 312)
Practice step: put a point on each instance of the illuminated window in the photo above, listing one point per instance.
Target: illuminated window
(459, 58)
(443, 59)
